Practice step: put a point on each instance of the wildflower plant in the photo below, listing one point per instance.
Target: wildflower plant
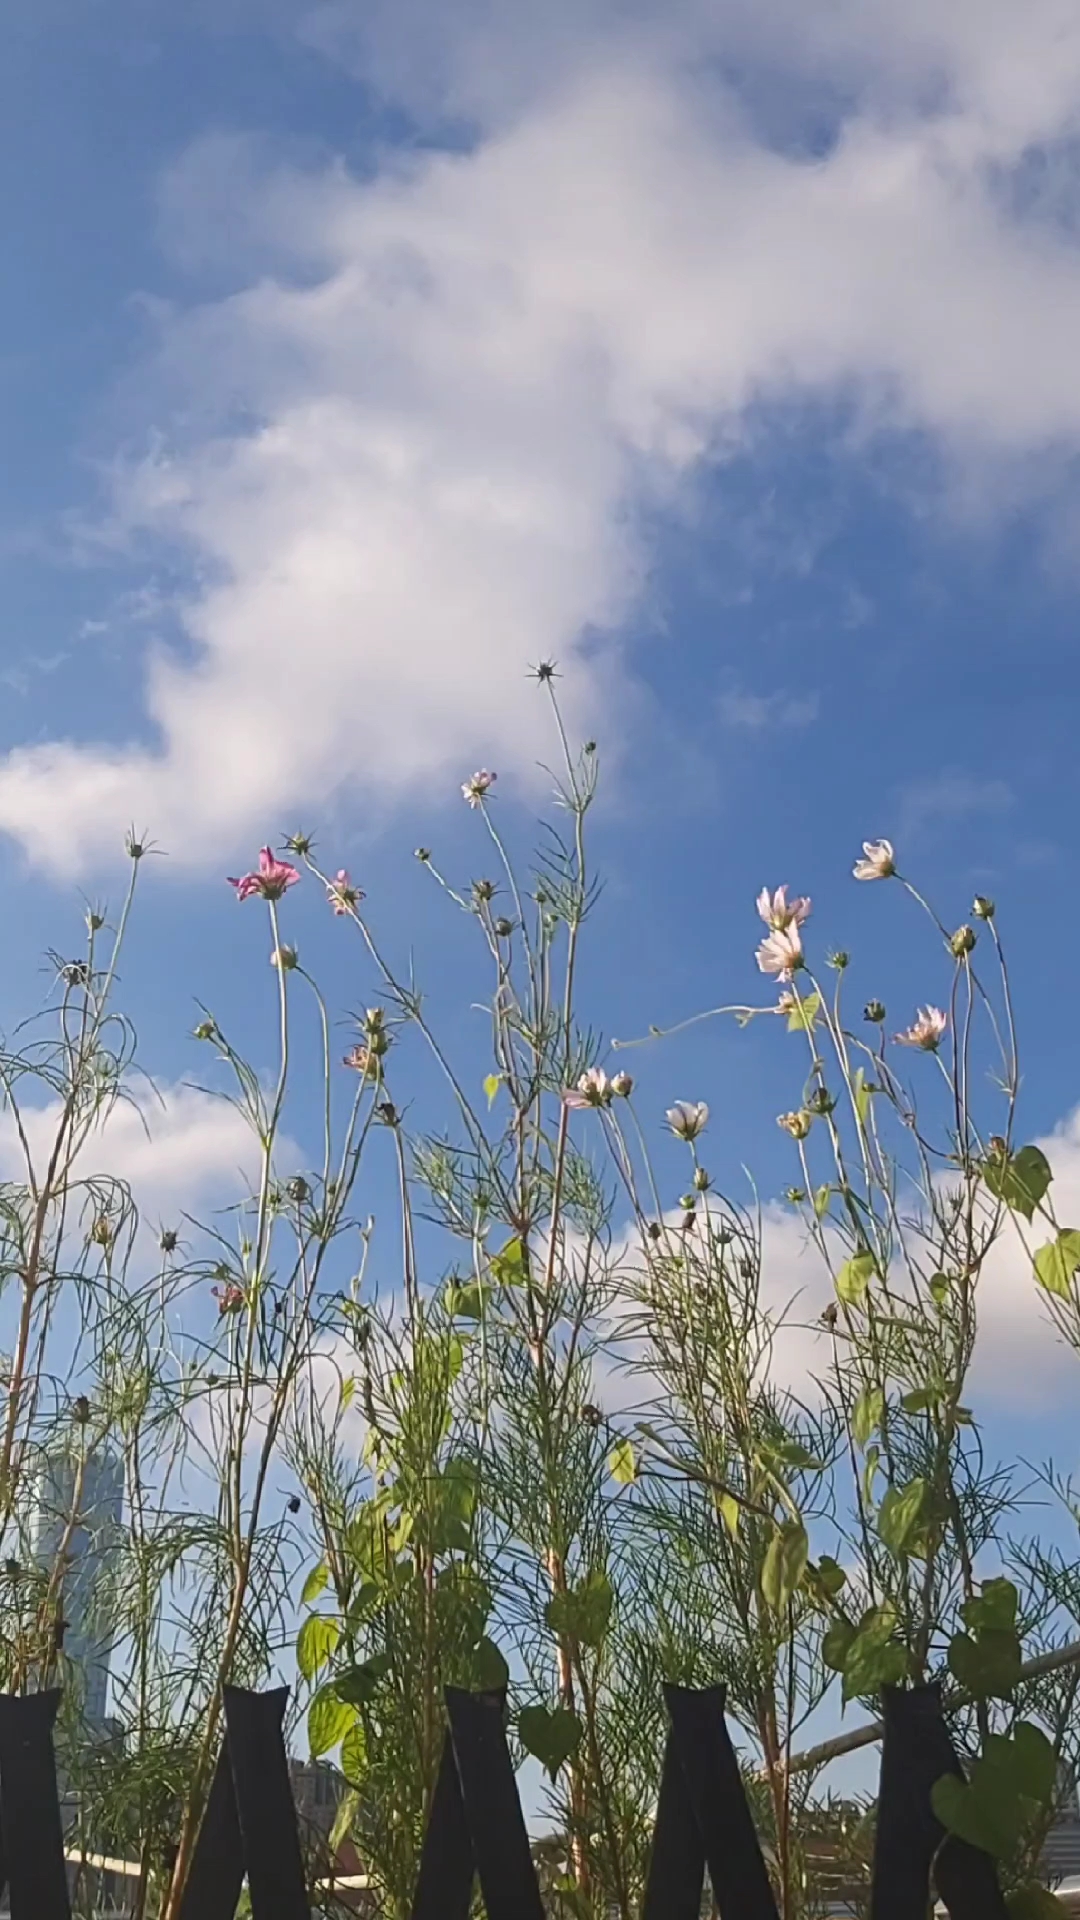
(496, 1404)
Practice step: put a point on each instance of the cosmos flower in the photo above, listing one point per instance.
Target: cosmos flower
(778, 913)
(781, 952)
(925, 1031)
(269, 882)
(341, 893)
(474, 790)
(877, 863)
(594, 1089)
(688, 1118)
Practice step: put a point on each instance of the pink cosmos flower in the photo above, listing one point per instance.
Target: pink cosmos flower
(781, 952)
(878, 861)
(778, 913)
(271, 880)
(474, 790)
(361, 1059)
(594, 1089)
(688, 1118)
(341, 893)
(925, 1031)
(230, 1299)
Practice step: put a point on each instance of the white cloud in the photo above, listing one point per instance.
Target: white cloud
(178, 1150)
(414, 449)
(950, 799)
(766, 712)
(1020, 1360)
(1021, 1363)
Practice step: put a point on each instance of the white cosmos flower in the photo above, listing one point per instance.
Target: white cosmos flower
(925, 1031)
(594, 1089)
(778, 912)
(474, 790)
(781, 952)
(688, 1118)
(878, 861)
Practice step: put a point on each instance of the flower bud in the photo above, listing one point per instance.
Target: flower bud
(874, 1011)
(795, 1196)
(101, 1233)
(701, 1180)
(422, 854)
(797, 1124)
(284, 957)
(962, 942)
(820, 1101)
(839, 960)
(504, 928)
(300, 843)
(982, 908)
(483, 890)
(205, 1030)
(297, 1189)
(687, 1221)
(655, 1230)
(623, 1085)
(168, 1240)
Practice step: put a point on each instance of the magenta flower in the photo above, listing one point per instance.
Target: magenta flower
(925, 1031)
(781, 952)
(271, 880)
(341, 893)
(474, 790)
(778, 913)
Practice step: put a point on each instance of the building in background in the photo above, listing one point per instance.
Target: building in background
(318, 1789)
(90, 1553)
(1060, 1858)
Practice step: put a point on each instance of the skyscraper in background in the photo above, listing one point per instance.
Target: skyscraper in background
(90, 1559)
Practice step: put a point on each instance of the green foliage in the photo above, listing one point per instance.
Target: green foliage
(1021, 1179)
(329, 1718)
(902, 1516)
(854, 1278)
(582, 1613)
(784, 1565)
(1009, 1785)
(868, 1655)
(467, 1516)
(315, 1645)
(551, 1734)
(1057, 1262)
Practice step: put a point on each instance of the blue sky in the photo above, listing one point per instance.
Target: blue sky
(354, 357)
